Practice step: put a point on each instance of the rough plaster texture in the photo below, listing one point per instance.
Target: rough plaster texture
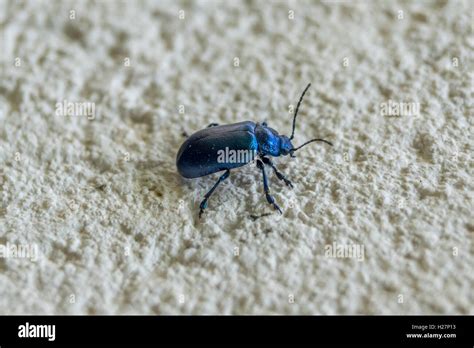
(117, 228)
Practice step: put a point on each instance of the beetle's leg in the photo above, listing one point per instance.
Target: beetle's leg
(279, 175)
(269, 197)
(212, 125)
(203, 204)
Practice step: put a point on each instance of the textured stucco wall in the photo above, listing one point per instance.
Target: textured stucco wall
(116, 227)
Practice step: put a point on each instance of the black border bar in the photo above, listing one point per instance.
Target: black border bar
(292, 330)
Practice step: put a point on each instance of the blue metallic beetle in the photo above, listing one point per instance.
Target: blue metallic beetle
(199, 154)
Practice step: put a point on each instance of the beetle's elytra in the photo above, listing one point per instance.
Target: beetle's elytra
(200, 153)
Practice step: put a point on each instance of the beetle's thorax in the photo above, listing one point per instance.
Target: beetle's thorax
(270, 142)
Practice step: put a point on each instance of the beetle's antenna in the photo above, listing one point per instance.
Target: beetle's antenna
(310, 141)
(296, 112)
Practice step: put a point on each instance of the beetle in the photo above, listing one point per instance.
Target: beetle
(199, 155)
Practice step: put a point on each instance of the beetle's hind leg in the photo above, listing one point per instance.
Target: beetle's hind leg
(203, 204)
(279, 175)
(269, 197)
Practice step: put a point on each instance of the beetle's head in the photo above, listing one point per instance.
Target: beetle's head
(286, 145)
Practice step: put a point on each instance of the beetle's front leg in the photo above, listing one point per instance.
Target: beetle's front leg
(279, 175)
(203, 204)
(269, 197)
